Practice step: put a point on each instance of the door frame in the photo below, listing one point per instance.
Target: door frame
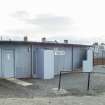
(3, 49)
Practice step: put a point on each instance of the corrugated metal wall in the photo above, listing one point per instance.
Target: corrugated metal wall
(23, 61)
(79, 54)
(61, 62)
(0, 64)
(22, 58)
(34, 60)
(64, 62)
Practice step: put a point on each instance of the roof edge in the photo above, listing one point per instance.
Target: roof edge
(41, 43)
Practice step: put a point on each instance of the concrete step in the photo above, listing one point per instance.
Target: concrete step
(19, 82)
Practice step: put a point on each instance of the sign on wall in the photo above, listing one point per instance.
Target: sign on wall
(59, 52)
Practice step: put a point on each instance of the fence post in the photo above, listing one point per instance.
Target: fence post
(102, 59)
(59, 85)
(93, 59)
(88, 85)
(72, 58)
(97, 58)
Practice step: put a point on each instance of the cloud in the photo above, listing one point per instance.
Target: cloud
(50, 22)
(20, 15)
(44, 22)
(46, 19)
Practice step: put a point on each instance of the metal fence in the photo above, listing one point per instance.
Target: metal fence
(83, 80)
(99, 58)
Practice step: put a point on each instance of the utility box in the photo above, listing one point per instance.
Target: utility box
(88, 64)
(45, 64)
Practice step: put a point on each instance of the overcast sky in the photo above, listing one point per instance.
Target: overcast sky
(81, 21)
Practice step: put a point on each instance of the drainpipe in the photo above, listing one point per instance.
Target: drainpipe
(31, 61)
(72, 57)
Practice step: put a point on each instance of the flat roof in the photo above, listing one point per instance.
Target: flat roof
(42, 43)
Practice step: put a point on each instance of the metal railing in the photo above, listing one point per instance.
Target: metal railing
(71, 72)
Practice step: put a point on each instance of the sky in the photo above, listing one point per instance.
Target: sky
(79, 21)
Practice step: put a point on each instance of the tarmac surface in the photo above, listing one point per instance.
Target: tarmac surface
(74, 83)
(44, 92)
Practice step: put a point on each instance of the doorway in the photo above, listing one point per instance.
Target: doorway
(8, 63)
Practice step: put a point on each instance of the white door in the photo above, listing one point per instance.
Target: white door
(8, 63)
(48, 64)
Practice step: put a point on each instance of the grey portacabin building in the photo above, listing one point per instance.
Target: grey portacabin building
(24, 59)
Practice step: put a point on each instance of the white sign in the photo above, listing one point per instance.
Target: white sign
(59, 53)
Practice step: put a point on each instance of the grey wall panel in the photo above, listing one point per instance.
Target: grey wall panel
(58, 63)
(35, 58)
(3, 47)
(76, 57)
(22, 59)
(22, 62)
(79, 54)
(8, 63)
(68, 59)
(63, 62)
(0, 64)
(40, 63)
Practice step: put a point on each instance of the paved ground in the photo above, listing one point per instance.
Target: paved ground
(75, 84)
(41, 92)
(65, 100)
